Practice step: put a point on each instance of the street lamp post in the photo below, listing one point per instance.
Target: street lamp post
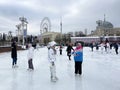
(61, 30)
(18, 32)
(40, 39)
(24, 23)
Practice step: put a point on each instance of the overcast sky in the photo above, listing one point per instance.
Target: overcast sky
(77, 15)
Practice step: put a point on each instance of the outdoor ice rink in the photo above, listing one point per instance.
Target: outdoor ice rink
(101, 71)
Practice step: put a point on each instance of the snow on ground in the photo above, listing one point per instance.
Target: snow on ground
(101, 71)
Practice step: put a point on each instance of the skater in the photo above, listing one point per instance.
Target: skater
(14, 54)
(92, 46)
(52, 59)
(30, 57)
(102, 45)
(116, 47)
(107, 47)
(60, 49)
(111, 45)
(97, 47)
(78, 58)
(69, 48)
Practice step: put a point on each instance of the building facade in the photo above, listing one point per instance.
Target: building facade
(48, 36)
(105, 28)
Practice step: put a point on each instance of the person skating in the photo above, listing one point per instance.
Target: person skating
(116, 47)
(69, 48)
(102, 45)
(30, 57)
(14, 54)
(107, 47)
(78, 58)
(97, 46)
(92, 46)
(52, 59)
(60, 49)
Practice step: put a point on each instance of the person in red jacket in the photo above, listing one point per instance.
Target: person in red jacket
(78, 58)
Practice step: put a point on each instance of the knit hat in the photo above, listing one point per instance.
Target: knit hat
(79, 46)
(52, 43)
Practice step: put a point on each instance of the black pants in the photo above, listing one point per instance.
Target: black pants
(60, 52)
(78, 67)
(69, 55)
(116, 50)
(14, 61)
(30, 64)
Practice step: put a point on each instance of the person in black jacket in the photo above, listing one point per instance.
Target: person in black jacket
(14, 54)
(60, 49)
(116, 47)
(69, 48)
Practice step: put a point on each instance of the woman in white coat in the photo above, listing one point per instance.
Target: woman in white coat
(52, 59)
(30, 57)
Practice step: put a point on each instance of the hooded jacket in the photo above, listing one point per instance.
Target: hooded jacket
(14, 50)
(30, 52)
(78, 54)
(51, 55)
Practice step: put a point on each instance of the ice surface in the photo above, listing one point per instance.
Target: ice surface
(101, 71)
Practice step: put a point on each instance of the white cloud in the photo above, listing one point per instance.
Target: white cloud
(76, 14)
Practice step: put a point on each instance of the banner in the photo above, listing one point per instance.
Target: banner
(25, 32)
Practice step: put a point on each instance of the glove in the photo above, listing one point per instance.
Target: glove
(72, 53)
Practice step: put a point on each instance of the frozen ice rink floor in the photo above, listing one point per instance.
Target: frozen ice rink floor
(101, 71)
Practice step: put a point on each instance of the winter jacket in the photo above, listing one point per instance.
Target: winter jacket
(69, 48)
(116, 46)
(51, 55)
(30, 53)
(78, 55)
(13, 51)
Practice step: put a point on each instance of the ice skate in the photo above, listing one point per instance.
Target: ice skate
(16, 66)
(13, 66)
(54, 79)
(53, 73)
(29, 69)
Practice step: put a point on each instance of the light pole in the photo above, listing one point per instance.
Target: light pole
(115, 37)
(10, 35)
(61, 30)
(40, 39)
(24, 23)
(18, 32)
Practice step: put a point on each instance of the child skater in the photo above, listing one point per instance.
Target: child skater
(78, 58)
(30, 57)
(52, 59)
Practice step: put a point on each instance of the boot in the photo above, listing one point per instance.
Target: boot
(53, 73)
(16, 66)
(13, 66)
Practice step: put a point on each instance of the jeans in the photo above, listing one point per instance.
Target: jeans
(78, 67)
(14, 61)
(30, 64)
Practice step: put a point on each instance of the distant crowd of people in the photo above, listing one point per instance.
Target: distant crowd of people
(105, 46)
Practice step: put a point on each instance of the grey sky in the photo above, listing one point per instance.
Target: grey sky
(77, 15)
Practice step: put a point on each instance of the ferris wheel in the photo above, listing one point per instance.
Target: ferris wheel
(45, 25)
